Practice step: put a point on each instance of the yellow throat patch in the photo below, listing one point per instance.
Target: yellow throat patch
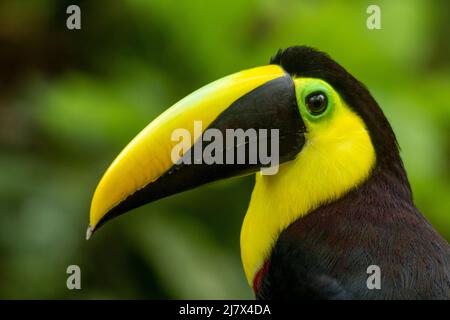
(338, 155)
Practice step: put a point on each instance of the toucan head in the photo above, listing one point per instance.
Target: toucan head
(308, 129)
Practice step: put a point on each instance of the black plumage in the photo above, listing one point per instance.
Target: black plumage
(325, 254)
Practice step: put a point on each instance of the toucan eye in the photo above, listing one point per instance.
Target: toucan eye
(316, 102)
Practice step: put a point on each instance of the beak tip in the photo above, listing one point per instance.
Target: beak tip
(89, 232)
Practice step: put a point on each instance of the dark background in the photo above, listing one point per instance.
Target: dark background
(71, 100)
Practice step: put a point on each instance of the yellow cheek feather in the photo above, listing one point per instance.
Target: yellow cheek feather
(337, 156)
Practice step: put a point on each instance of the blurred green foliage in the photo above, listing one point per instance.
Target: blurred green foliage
(70, 100)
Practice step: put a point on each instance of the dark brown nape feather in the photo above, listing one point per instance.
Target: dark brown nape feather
(303, 61)
(325, 254)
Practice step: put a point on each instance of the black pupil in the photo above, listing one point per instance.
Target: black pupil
(317, 102)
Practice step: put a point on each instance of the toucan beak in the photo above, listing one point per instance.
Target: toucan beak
(163, 159)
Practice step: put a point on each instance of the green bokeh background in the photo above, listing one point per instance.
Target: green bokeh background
(71, 100)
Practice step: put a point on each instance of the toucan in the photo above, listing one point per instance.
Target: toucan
(339, 205)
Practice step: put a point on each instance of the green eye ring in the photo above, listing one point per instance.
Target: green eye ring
(315, 100)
